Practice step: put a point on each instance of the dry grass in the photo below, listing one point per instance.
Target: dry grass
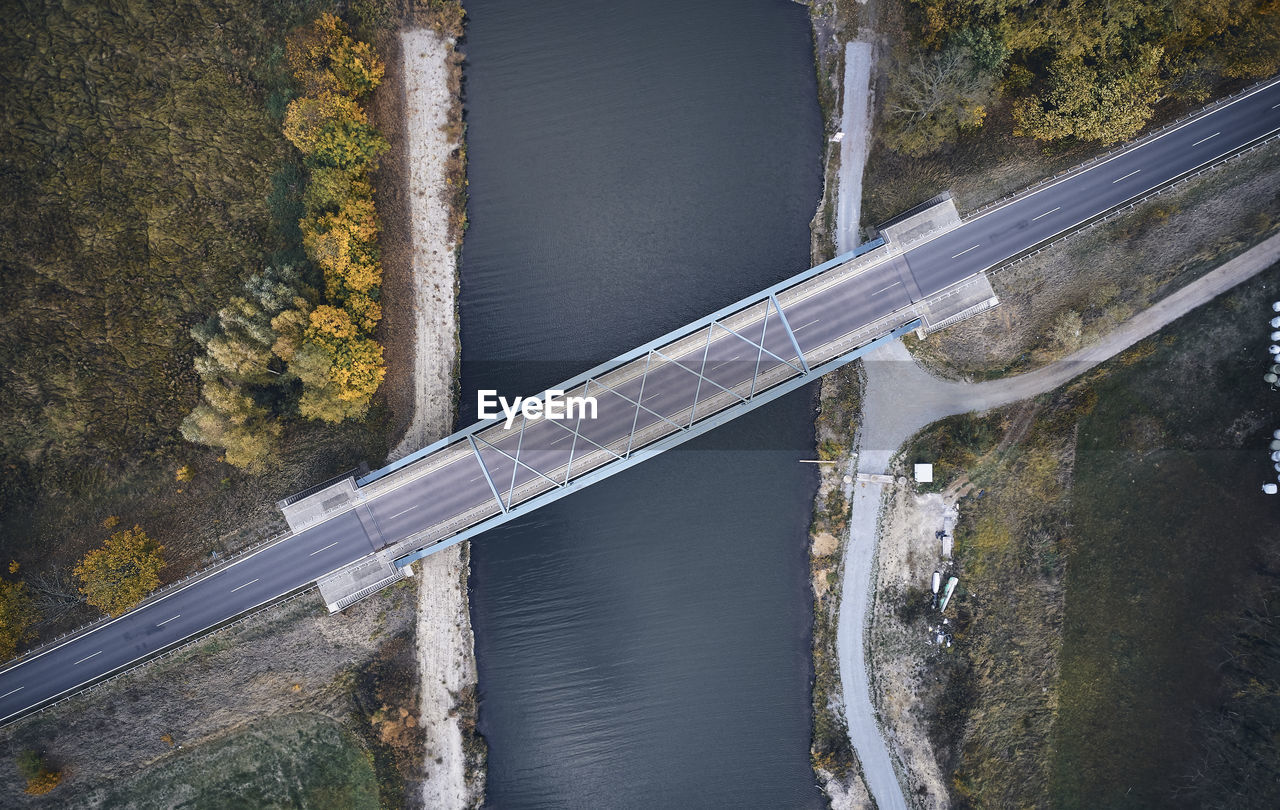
(293, 658)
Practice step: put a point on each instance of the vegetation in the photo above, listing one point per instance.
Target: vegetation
(34, 768)
(281, 338)
(1114, 644)
(291, 760)
(143, 153)
(991, 710)
(1083, 70)
(841, 397)
(1172, 559)
(122, 572)
(18, 616)
(953, 446)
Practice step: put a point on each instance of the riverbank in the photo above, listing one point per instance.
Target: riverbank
(844, 60)
(454, 772)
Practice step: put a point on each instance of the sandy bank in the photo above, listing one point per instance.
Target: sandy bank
(446, 651)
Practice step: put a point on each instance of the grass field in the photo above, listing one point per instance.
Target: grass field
(1102, 625)
(289, 761)
(145, 177)
(1169, 528)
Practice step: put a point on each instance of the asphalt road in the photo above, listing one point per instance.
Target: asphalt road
(669, 388)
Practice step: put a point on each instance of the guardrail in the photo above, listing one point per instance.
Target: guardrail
(1125, 208)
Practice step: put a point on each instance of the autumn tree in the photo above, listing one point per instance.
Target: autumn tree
(934, 97)
(35, 768)
(331, 130)
(324, 58)
(122, 572)
(1090, 103)
(18, 617)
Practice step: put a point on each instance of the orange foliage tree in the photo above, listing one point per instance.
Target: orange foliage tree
(122, 572)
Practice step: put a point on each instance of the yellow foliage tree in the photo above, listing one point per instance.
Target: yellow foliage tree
(330, 326)
(332, 130)
(18, 616)
(122, 572)
(324, 57)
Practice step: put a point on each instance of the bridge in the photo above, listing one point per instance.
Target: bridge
(359, 533)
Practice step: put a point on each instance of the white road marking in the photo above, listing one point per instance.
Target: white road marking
(1273, 106)
(557, 441)
(1046, 213)
(1202, 140)
(966, 250)
(1130, 174)
(247, 584)
(11, 691)
(87, 657)
(473, 480)
(166, 621)
(317, 551)
(806, 326)
(410, 509)
(882, 289)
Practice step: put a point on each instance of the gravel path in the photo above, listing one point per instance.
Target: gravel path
(446, 655)
(900, 399)
(856, 124)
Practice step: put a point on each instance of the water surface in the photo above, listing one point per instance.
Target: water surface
(633, 166)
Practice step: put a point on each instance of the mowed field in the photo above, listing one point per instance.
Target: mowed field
(294, 760)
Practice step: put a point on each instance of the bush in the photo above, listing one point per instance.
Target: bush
(35, 769)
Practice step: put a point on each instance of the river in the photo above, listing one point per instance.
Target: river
(633, 166)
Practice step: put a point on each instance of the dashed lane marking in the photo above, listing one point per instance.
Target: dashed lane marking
(247, 584)
(314, 553)
(87, 657)
(1130, 174)
(11, 691)
(1202, 140)
(1046, 213)
(966, 250)
(410, 509)
(166, 621)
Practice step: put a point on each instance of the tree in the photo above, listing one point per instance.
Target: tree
(122, 572)
(35, 769)
(935, 96)
(231, 420)
(331, 130)
(324, 57)
(1091, 103)
(18, 615)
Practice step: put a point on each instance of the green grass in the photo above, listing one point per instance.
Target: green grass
(1169, 524)
(289, 761)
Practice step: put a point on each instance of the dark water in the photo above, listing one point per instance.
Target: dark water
(633, 166)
